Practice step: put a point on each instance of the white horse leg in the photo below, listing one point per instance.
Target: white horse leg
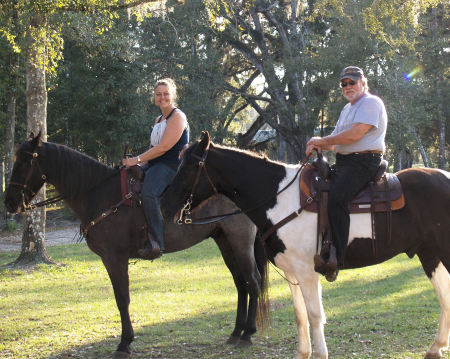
(441, 282)
(311, 291)
(301, 318)
(312, 295)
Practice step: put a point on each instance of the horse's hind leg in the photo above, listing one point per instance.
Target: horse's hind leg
(440, 278)
(246, 278)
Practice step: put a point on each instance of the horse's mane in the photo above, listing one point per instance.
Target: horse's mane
(259, 156)
(74, 173)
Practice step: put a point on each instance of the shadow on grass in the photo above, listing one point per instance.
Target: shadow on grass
(371, 288)
(366, 317)
(373, 334)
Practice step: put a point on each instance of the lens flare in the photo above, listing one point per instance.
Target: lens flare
(414, 72)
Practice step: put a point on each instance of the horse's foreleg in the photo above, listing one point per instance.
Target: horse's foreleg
(301, 318)
(311, 291)
(440, 278)
(117, 268)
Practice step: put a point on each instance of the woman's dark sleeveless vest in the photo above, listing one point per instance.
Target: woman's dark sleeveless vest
(170, 158)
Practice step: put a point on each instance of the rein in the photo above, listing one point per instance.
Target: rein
(185, 211)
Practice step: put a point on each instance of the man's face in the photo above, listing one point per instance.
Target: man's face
(352, 90)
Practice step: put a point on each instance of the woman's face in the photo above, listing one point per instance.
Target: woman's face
(163, 96)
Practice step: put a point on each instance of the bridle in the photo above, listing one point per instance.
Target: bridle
(25, 185)
(185, 212)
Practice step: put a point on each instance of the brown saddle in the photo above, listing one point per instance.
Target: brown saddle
(384, 193)
(131, 180)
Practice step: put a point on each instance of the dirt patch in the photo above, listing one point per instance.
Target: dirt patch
(58, 231)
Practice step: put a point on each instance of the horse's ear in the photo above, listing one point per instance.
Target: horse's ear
(35, 141)
(205, 139)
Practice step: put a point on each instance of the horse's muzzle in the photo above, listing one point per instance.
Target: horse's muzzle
(13, 205)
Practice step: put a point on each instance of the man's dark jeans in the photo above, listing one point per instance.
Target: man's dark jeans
(157, 178)
(351, 173)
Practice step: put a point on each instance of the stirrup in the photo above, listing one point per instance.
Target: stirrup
(327, 268)
(151, 250)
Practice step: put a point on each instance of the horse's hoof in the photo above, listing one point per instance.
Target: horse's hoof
(244, 343)
(432, 355)
(120, 355)
(233, 340)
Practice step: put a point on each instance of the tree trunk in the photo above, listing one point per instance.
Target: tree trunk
(423, 153)
(9, 145)
(442, 163)
(33, 245)
(9, 138)
(442, 157)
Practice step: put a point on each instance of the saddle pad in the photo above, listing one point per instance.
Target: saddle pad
(310, 184)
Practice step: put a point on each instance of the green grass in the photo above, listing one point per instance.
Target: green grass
(183, 306)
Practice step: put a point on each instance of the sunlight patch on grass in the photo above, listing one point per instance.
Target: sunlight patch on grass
(183, 306)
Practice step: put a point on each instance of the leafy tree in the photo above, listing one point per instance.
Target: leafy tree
(99, 100)
(42, 47)
(177, 42)
(299, 49)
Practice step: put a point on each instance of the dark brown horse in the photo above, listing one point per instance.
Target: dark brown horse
(90, 188)
(253, 182)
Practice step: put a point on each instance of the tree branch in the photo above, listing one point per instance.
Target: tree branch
(91, 8)
(245, 94)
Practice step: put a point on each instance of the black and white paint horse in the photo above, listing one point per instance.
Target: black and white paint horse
(253, 182)
(90, 188)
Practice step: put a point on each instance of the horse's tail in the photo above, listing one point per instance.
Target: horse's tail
(263, 319)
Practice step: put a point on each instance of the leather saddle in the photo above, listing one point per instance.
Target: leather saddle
(131, 181)
(383, 194)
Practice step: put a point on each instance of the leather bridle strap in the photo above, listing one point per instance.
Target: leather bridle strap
(186, 210)
(35, 163)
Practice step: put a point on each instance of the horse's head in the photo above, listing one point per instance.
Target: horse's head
(192, 183)
(27, 177)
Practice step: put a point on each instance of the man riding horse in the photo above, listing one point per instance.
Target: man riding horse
(358, 140)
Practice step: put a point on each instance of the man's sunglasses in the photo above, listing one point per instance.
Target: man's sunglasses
(344, 84)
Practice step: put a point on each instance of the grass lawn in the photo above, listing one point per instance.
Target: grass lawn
(183, 306)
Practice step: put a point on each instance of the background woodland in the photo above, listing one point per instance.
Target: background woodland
(258, 74)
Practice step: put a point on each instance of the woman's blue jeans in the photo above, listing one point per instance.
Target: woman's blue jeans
(157, 177)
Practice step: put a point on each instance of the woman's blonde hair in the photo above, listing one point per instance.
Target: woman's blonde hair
(171, 85)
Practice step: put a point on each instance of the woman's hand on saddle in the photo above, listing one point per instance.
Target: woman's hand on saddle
(130, 162)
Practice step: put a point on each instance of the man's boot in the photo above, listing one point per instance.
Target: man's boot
(325, 263)
(331, 270)
(151, 249)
